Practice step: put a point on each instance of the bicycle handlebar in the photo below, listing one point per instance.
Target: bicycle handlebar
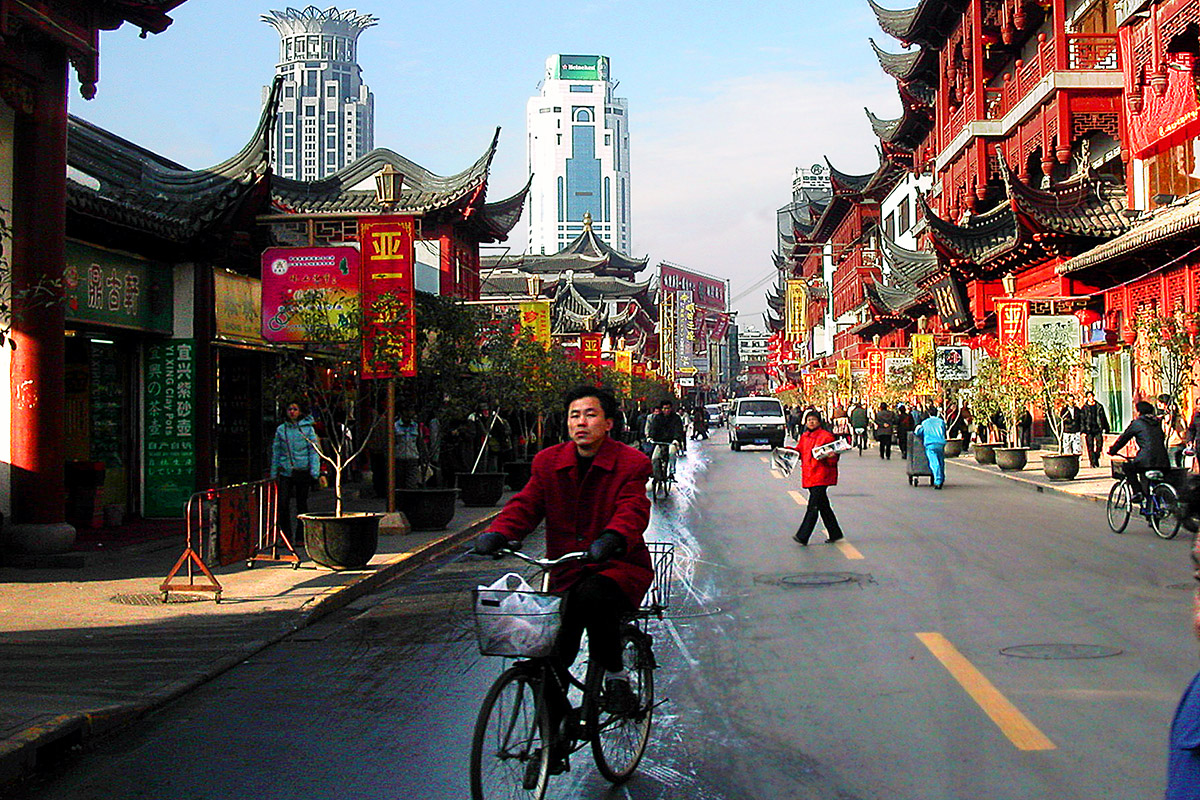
(546, 563)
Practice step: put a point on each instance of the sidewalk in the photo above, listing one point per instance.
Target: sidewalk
(1092, 483)
(86, 645)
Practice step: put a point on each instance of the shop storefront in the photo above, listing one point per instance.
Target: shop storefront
(118, 307)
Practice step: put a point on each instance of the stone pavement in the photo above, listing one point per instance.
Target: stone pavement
(86, 645)
(1090, 484)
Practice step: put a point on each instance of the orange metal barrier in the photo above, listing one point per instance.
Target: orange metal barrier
(226, 525)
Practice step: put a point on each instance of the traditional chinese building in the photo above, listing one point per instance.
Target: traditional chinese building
(39, 42)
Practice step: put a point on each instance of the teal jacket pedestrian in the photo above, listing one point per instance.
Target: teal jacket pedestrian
(932, 431)
(293, 449)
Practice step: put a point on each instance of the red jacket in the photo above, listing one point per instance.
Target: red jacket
(816, 471)
(612, 497)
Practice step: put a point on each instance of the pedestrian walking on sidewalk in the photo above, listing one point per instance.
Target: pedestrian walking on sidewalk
(1072, 427)
(931, 433)
(885, 428)
(1094, 424)
(817, 475)
(294, 465)
(906, 423)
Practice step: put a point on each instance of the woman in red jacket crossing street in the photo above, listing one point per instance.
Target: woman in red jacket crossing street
(817, 475)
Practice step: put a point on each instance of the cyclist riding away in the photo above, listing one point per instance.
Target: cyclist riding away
(1147, 431)
(666, 426)
(591, 492)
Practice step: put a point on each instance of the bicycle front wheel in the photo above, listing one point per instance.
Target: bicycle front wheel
(510, 751)
(1117, 509)
(619, 740)
(1164, 514)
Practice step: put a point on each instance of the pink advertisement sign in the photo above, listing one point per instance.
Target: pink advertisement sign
(332, 272)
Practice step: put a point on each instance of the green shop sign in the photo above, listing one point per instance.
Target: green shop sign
(116, 290)
(582, 68)
(170, 457)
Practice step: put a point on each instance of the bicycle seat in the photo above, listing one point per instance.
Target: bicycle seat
(1154, 474)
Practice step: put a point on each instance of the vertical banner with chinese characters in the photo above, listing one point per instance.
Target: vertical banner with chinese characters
(794, 310)
(535, 318)
(170, 457)
(922, 353)
(844, 374)
(875, 364)
(389, 345)
(589, 348)
(624, 361)
(1012, 321)
(666, 333)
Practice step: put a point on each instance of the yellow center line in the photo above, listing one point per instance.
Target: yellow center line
(1012, 723)
(799, 498)
(776, 474)
(764, 459)
(849, 550)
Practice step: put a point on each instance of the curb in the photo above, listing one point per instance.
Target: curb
(37, 745)
(1037, 485)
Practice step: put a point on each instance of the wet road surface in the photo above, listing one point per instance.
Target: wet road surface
(871, 669)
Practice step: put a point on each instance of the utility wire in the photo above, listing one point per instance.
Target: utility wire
(773, 274)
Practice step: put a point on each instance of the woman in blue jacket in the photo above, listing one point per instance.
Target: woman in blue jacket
(294, 464)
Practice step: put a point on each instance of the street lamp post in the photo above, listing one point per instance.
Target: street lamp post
(388, 183)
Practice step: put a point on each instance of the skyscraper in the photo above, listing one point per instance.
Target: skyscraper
(326, 113)
(578, 151)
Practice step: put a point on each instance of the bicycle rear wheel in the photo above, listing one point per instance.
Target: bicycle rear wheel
(510, 751)
(1164, 514)
(1117, 508)
(619, 740)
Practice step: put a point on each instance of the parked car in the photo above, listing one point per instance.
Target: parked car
(716, 415)
(756, 421)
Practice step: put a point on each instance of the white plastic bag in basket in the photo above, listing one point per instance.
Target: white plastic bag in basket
(524, 623)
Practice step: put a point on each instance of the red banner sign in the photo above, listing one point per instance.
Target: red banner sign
(589, 347)
(389, 324)
(1012, 321)
(639, 369)
(875, 364)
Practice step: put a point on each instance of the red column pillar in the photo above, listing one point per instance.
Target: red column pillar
(37, 377)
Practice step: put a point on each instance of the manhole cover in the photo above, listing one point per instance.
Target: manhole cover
(1061, 651)
(154, 599)
(1187, 587)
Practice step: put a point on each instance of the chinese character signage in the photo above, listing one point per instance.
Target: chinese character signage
(170, 457)
(706, 292)
(1012, 321)
(639, 369)
(951, 304)
(238, 310)
(666, 333)
(794, 310)
(685, 333)
(535, 318)
(117, 291)
(326, 277)
(388, 301)
(624, 361)
(875, 364)
(844, 373)
(952, 363)
(589, 347)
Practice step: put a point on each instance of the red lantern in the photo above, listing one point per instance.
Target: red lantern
(1129, 335)
(1087, 317)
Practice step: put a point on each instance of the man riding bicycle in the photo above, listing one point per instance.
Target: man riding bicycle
(591, 492)
(1147, 431)
(666, 428)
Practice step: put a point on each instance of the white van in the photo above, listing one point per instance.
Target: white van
(756, 420)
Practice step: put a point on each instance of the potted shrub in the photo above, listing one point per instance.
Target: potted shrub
(328, 376)
(1055, 367)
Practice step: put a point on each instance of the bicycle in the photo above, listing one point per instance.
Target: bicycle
(860, 440)
(1160, 505)
(515, 749)
(661, 474)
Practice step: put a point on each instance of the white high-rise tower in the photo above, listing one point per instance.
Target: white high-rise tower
(326, 113)
(578, 151)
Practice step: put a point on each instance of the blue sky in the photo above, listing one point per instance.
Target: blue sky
(724, 101)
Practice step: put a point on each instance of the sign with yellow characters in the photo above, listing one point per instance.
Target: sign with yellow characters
(922, 353)
(794, 310)
(535, 318)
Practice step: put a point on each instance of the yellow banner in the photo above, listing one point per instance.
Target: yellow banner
(535, 318)
(624, 361)
(794, 310)
(843, 370)
(922, 353)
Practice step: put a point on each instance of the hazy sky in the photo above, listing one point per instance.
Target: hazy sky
(723, 102)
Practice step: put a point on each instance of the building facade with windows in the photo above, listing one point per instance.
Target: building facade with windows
(326, 115)
(578, 154)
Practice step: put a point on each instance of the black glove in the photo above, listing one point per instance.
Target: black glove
(490, 543)
(607, 545)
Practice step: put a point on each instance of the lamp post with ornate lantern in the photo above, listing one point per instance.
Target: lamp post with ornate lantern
(388, 183)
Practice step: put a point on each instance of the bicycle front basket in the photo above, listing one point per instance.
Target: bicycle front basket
(516, 624)
(662, 559)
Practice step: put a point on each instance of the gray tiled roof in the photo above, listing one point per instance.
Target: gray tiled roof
(1162, 226)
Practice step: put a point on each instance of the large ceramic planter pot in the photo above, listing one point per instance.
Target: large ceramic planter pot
(518, 474)
(985, 453)
(1060, 466)
(954, 448)
(1012, 459)
(481, 488)
(345, 542)
(427, 509)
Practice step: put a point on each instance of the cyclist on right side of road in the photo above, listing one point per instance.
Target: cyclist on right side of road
(667, 426)
(1146, 430)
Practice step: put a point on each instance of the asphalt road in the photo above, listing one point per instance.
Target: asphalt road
(880, 668)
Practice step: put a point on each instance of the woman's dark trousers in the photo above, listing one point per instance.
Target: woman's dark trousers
(885, 446)
(291, 486)
(818, 503)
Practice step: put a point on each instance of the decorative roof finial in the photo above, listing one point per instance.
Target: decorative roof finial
(587, 222)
